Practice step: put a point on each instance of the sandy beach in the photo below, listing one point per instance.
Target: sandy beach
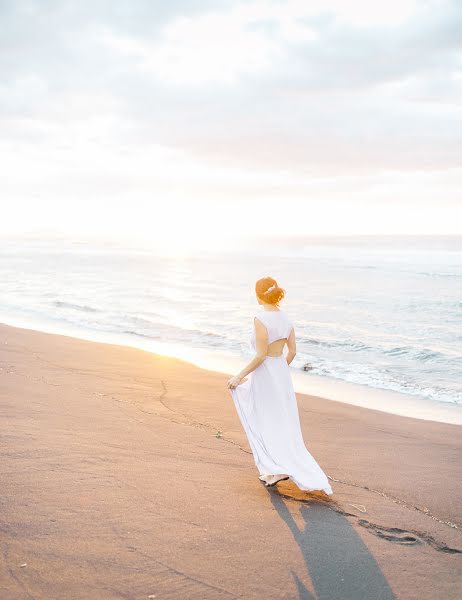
(127, 474)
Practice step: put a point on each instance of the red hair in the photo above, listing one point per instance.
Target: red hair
(268, 290)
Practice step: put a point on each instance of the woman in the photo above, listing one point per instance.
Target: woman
(266, 401)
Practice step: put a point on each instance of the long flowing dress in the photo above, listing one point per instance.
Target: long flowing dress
(267, 408)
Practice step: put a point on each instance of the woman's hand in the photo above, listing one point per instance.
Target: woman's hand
(235, 381)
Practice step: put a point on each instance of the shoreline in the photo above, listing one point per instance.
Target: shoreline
(137, 464)
(335, 390)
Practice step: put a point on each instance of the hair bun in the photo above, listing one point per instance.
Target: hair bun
(268, 290)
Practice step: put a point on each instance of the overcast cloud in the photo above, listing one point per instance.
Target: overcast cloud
(352, 105)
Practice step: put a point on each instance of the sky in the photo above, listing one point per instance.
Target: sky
(202, 120)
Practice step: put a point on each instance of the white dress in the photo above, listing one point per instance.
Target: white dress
(268, 410)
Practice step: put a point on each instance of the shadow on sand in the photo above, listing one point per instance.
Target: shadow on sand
(338, 562)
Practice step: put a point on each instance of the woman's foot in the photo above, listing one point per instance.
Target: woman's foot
(270, 480)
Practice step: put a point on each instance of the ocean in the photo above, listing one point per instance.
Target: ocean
(383, 313)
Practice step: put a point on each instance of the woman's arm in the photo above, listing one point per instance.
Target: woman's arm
(292, 347)
(261, 344)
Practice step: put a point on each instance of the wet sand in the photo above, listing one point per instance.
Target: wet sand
(126, 474)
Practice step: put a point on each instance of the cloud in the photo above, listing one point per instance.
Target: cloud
(230, 99)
